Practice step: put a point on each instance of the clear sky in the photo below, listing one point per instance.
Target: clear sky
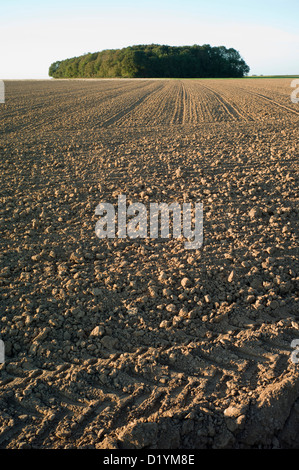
(33, 34)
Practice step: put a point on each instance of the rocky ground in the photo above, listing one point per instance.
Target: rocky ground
(140, 343)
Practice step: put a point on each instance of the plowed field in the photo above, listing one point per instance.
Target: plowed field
(140, 343)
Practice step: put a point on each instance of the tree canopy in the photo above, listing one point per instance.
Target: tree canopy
(154, 61)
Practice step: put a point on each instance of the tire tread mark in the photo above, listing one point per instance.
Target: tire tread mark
(118, 116)
(229, 108)
(271, 101)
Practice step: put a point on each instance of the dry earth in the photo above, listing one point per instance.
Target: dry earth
(141, 343)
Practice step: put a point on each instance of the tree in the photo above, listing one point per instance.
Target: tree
(154, 60)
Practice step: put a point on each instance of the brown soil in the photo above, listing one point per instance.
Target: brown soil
(105, 346)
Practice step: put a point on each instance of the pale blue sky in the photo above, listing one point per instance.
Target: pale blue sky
(33, 34)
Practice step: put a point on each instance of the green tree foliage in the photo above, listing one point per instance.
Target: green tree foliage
(150, 61)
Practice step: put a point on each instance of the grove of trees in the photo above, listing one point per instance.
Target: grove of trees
(149, 61)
